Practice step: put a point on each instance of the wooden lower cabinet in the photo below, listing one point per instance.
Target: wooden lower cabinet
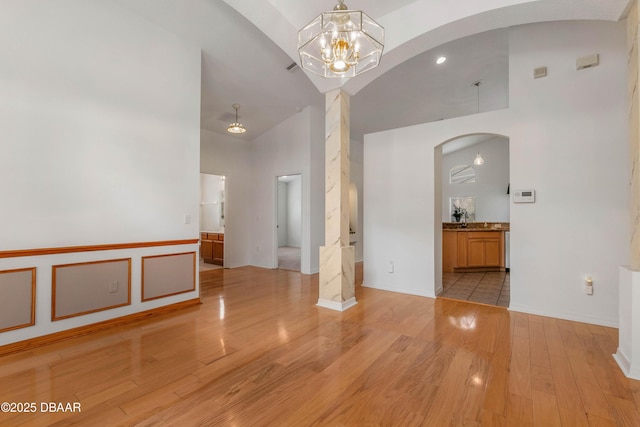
(472, 249)
(212, 248)
(483, 253)
(218, 251)
(463, 249)
(206, 250)
(449, 250)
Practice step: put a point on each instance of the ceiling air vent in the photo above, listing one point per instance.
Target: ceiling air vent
(292, 66)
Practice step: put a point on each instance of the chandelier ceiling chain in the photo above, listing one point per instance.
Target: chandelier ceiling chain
(341, 43)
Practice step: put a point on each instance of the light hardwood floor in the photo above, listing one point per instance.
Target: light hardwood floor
(258, 352)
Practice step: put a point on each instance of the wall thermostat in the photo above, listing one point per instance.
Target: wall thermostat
(524, 196)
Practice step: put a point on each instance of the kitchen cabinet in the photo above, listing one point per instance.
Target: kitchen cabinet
(212, 248)
(484, 249)
(449, 250)
(218, 249)
(469, 249)
(206, 248)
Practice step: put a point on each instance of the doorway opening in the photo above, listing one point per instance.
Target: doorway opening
(289, 221)
(474, 219)
(212, 221)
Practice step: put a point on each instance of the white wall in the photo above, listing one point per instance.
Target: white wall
(98, 146)
(575, 155)
(229, 156)
(287, 149)
(211, 202)
(282, 213)
(289, 207)
(568, 141)
(295, 146)
(294, 213)
(490, 186)
(356, 157)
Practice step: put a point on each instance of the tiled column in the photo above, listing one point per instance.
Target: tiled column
(628, 353)
(337, 258)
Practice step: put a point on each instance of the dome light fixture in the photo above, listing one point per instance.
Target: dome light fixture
(441, 60)
(236, 127)
(340, 43)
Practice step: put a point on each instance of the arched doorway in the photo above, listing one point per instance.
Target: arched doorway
(474, 210)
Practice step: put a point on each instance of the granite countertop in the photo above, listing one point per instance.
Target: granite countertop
(212, 231)
(475, 226)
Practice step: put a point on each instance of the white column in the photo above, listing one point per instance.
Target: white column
(337, 257)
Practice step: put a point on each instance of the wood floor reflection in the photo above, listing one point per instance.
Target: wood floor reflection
(258, 352)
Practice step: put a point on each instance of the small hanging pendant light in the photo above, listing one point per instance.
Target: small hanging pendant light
(236, 127)
(478, 160)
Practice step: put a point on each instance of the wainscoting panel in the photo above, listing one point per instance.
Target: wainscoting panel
(166, 275)
(17, 298)
(89, 287)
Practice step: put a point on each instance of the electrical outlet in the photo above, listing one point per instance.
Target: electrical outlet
(390, 268)
(588, 285)
(113, 287)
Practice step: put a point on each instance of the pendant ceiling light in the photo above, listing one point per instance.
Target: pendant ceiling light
(236, 127)
(341, 43)
(478, 160)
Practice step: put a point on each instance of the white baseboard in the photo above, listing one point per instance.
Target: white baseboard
(566, 316)
(409, 291)
(337, 305)
(623, 362)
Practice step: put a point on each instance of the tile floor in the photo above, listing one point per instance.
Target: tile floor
(487, 288)
(204, 266)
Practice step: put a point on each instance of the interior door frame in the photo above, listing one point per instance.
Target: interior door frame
(275, 244)
(226, 208)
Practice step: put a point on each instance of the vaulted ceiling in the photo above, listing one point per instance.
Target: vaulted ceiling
(247, 46)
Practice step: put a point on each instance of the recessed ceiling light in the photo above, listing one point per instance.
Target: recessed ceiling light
(441, 60)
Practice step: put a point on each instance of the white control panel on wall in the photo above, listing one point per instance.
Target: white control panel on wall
(524, 196)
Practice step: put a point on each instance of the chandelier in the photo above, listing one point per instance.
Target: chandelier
(236, 127)
(341, 43)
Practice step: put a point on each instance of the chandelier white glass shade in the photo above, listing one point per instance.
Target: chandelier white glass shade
(341, 43)
(236, 127)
